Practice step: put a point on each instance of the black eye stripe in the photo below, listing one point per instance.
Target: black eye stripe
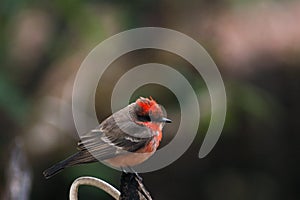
(144, 118)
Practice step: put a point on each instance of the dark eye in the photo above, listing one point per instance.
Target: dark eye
(144, 118)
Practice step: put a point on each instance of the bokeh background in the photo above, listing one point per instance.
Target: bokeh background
(255, 44)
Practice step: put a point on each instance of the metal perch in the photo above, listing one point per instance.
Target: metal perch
(131, 187)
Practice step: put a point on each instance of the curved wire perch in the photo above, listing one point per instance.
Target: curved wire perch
(86, 180)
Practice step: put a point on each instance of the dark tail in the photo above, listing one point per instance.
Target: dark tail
(79, 158)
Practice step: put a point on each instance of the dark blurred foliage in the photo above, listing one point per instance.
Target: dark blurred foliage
(256, 46)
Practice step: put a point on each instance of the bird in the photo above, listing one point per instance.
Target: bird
(126, 138)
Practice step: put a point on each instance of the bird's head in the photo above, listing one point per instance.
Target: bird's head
(147, 111)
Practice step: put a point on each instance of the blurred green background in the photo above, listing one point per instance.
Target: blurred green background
(255, 44)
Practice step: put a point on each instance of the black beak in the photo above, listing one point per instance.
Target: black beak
(166, 120)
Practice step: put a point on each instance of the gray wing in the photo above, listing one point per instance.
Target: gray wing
(116, 135)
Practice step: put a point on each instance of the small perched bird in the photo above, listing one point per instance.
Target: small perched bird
(126, 138)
